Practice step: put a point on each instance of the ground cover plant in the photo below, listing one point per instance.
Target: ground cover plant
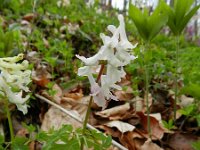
(83, 75)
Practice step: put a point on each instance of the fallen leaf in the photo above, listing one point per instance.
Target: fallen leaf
(115, 111)
(58, 93)
(127, 141)
(121, 126)
(124, 95)
(149, 145)
(110, 131)
(185, 101)
(157, 131)
(138, 103)
(75, 94)
(55, 118)
(29, 17)
(40, 76)
(182, 141)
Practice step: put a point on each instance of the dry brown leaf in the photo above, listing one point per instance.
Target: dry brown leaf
(58, 93)
(40, 76)
(121, 126)
(56, 118)
(115, 111)
(149, 145)
(150, 99)
(31, 145)
(157, 131)
(127, 141)
(182, 141)
(29, 17)
(22, 132)
(76, 93)
(124, 95)
(110, 131)
(185, 101)
(138, 103)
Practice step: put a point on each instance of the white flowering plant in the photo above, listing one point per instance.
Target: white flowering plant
(112, 56)
(14, 79)
(115, 52)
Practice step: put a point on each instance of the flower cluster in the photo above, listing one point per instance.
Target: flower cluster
(116, 53)
(14, 79)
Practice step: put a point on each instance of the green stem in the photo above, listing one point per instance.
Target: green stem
(176, 75)
(88, 108)
(9, 120)
(147, 90)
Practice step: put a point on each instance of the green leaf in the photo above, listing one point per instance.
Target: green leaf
(53, 136)
(198, 119)
(196, 145)
(187, 111)
(188, 17)
(181, 8)
(139, 20)
(192, 90)
(30, 127)
(107, 142)
(148, 26)
(73, 145)
(19, 143)
(180, 15)
(157, 20)
(1, 139)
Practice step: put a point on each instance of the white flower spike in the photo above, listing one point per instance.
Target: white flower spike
(116, 52)
(14, 79)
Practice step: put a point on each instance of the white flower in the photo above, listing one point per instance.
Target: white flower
(116, 52)
(14, 79)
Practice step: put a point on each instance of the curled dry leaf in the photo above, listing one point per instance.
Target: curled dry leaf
(29, 16)
(157, 131)
(114, 112)
(185, 101)
(121, 126)
(149, 145)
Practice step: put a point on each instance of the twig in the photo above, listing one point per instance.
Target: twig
(76, 118)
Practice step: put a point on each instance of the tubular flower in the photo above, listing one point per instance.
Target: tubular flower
(14, 79)
(116, 52)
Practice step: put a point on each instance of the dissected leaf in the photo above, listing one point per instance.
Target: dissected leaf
(19, 143)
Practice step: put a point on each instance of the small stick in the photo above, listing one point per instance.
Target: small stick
(76, 118)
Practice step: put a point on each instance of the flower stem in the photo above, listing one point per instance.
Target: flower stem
(89, 106)
(9, 120)
(147, 91)
(176, 75)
